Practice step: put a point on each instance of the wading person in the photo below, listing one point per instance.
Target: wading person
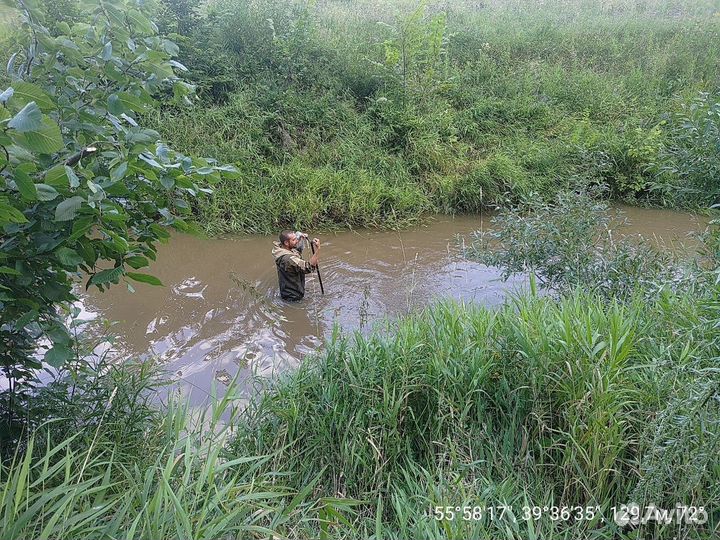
(291, 267)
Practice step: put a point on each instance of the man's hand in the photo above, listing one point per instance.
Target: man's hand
(314, 258)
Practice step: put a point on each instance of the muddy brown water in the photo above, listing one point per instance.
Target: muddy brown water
(220, 315)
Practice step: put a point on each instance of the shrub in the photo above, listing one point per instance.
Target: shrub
(690, 162)
(568, 244)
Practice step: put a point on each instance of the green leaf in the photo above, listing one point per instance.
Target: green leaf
(160, 232)
(68, 257)
(147, 158)
(18, 153)
(167, 182)
(184, 182)
(141, 136)
(8, 270)
(145, 278)
(227, 169)
(161, 69)
(131, 102)
(123, 102)
(178, 65)
(46, 192)
(46, 139)
(181, 203)
(25, 92)
(121, 244)
(139, 23)
(57, 176)
(26, 319)
(93, 187)
(114, 15)
(72, 177)
(171, 47)
(107, 51)
(68, 208)
(87, 251)
(58, 355)
(118, 173)
(182, 89)
(10, 214)
(137, 261)
(80, 227)
(111, 275)
(114, 105)
(25, 185)
(28, 119)
(10, 69)
(7, 94)
(58, 334)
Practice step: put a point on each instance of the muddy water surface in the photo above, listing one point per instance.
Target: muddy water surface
(220, 313)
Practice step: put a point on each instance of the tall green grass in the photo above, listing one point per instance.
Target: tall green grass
(580, 400)
(131, 469)
(523, 99)
(539, 403)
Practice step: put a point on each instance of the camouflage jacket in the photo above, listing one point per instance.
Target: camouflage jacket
(291, 268)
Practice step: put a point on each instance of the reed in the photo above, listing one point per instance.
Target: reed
(165, 477)
(538, 403)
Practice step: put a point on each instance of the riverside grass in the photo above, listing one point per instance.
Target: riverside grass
(502, 101)
(580, 400)
(168, 478)
(577, 401)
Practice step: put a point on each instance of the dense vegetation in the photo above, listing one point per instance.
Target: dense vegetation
(87, 192)
(582, 400)
(542, 403)
(605, 391)
(372, 113)
(601, 391)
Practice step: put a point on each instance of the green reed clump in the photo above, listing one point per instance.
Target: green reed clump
(538, 403)
(127, 468)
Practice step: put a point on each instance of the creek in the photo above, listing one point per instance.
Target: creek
(219, 313)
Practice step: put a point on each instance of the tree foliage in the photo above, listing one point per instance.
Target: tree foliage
(86, 191)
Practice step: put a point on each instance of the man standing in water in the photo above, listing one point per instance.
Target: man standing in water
(291, 267)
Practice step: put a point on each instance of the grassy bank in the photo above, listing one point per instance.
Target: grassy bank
(576, 403)
(572, 403)
(371, 113)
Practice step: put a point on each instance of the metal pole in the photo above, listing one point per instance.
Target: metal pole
(322, 290)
